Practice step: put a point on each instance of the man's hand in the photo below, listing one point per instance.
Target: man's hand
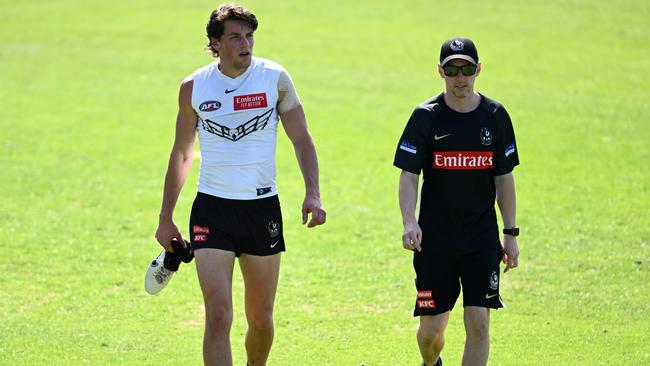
(510, 252)
(412, 236)
(312, 205)
(166, 231)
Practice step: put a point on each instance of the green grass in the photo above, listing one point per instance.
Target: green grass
(88, 94)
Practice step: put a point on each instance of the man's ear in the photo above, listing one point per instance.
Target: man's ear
(214, 43)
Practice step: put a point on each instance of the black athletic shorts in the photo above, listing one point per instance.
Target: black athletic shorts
(439, 277)
(240, 226)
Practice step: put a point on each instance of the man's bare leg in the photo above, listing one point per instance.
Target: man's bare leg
(261, 281)
(214, 268)
(477, 336)
(431, 336)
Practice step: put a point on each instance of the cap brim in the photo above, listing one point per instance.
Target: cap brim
(458, 57)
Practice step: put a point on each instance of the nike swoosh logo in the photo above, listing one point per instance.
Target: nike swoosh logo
(230, 91)
(436, 137)
(488, 296)
(274, 244)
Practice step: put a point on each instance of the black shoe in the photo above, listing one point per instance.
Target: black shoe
(182, 253)
(438, 363)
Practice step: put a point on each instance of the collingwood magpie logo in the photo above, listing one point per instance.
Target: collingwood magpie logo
(274, 228)
(486, 136)
(494, 280)
(237, 133)
(456, 45)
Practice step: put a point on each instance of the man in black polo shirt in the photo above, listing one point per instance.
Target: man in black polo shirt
(465, 145)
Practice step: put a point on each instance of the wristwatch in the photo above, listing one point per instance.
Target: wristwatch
(512, 232)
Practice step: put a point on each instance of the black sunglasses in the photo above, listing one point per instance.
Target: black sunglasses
(467, 70)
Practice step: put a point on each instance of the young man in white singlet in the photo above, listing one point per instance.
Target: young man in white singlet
(235, 104)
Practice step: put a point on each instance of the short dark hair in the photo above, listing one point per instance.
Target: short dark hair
(218, 18)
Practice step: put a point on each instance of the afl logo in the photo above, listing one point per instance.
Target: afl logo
(209, 106)
(456, 45)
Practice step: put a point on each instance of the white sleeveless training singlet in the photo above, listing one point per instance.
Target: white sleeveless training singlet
(237, 129)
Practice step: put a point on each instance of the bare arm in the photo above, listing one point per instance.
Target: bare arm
(408, 197)
(507, 201)
(295, 125)
(180, 161)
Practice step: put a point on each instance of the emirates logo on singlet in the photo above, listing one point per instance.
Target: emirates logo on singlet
(462, 160)
(249, 101)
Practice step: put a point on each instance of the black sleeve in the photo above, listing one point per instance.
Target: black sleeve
(506, 156)
(412, 147)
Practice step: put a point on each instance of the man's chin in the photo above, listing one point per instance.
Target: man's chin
(461, 94)
(244, 62)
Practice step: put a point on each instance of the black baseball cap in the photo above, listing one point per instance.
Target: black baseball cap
(458, 48)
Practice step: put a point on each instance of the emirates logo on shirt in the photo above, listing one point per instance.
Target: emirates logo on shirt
(249, 101)
(462, 160)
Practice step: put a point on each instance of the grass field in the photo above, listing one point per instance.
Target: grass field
(88, 92)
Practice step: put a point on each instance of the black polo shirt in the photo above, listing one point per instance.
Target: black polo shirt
(460, 154)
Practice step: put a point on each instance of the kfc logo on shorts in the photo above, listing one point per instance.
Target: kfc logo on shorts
(196, 229)
(249, 101)
(200, 238)
(424, 294)
(426, 304)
